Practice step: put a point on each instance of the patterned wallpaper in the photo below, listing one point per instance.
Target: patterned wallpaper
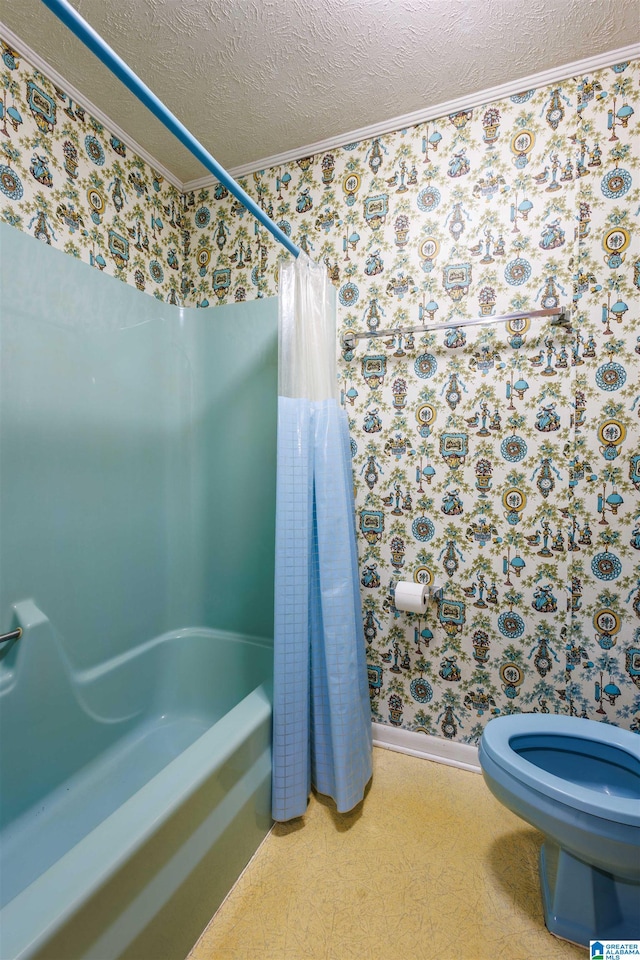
(71, 183)
(499, 462)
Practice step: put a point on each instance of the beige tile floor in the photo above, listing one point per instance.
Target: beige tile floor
(429, 867)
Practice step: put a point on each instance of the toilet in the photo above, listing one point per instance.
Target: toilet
(578, 782)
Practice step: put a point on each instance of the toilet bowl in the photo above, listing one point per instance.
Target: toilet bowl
(578, 782)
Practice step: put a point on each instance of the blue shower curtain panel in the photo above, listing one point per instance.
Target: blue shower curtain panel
(322, 716)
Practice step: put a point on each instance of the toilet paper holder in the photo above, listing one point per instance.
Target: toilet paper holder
(413, 597)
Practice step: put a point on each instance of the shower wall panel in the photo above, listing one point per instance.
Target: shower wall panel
(137, 488)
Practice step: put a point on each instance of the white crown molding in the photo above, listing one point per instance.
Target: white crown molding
(542, 79)
(450, 752)
(59, 81)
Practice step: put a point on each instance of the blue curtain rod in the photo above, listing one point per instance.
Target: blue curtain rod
(71, 19)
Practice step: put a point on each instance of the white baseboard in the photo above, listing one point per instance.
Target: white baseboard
(427, 747)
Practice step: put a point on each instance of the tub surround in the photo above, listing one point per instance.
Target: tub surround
(136, 778)
(120, 419)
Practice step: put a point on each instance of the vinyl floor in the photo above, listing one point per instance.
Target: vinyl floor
(429, 867)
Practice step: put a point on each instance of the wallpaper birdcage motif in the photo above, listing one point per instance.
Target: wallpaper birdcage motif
(501, 462)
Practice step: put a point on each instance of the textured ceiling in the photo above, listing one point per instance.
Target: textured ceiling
(255, 78)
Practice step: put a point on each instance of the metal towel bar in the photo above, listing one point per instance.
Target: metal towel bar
(12, 635)
(563, 315)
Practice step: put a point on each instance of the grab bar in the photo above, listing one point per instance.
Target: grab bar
(12, 635)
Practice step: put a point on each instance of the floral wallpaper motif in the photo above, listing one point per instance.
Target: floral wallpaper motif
(69, 182)
(500, 462)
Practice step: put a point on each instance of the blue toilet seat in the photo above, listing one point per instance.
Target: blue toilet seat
(577, 781)
(506, 745)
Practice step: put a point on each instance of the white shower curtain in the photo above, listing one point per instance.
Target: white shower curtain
(322, 720)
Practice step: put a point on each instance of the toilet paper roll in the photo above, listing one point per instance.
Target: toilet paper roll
(412, 597)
